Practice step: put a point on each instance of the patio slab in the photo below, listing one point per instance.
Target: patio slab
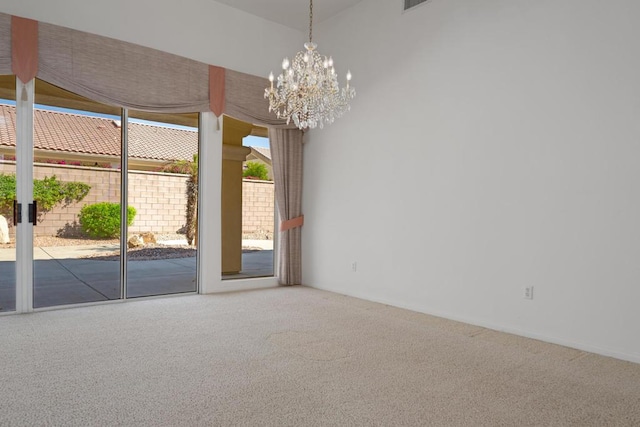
(61, 277)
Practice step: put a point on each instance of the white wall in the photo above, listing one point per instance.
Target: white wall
(203, 30)
(493, 145)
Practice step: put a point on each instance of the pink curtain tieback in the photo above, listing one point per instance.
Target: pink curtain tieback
(292, 223)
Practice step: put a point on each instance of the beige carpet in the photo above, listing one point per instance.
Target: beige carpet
(295, 357)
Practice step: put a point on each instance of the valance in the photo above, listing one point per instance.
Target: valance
(245, 100)
(120, 73)
(127, 75)
(5, 44)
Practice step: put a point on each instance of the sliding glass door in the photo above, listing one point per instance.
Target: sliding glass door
(7, 194)
(102, 201)
(162, 193)
(77, 190)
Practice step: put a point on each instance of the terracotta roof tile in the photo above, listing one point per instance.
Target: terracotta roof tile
(266, 152)
(161, 142)
(76, 133)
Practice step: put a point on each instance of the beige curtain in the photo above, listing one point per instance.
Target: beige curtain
(5, 44)
(244, 100)
(286, 155)
(121, 74)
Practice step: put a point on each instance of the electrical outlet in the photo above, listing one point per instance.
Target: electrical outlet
(528, 292)
(354, 266)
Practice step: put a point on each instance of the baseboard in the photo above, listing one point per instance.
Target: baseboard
(233, 285)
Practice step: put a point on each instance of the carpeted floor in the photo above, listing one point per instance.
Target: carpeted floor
(295, 357)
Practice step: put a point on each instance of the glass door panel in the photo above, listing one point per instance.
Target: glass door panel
(77, 186)
(258, 209)
(162, 191)
(7, 194)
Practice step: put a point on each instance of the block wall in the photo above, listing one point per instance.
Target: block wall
(159, 199)
(258, 203)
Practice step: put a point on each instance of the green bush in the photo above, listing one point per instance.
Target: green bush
(256, 170)
(48, 192)
(7, 193)
(102, 220)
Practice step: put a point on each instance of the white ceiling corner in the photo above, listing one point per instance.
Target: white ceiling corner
(291, 13)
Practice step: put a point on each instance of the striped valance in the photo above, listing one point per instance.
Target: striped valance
(5, 44)
(130, 76)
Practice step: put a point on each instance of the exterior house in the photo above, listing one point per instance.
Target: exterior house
(261, 155)
(89, 140)
(93, 143)
(73, 138)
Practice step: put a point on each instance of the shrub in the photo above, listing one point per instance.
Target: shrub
(188, 168)
(7, 193)
(102, 220)
(48, 192)
(255, 170)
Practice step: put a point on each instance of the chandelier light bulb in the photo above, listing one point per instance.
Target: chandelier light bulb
(285, 63)
(348, 76)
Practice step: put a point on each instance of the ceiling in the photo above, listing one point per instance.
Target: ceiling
(291, 13)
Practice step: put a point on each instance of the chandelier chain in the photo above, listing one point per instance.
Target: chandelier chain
(310, 21)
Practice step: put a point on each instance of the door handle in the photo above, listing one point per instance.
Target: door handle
(17, 212)
(33, 213)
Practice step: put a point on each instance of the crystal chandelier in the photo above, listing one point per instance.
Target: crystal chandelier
(307, 90)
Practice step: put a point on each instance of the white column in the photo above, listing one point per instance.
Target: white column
(24, 179)
(210, 204)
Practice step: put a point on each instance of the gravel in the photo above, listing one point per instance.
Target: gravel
(148, 252)
(53, 241)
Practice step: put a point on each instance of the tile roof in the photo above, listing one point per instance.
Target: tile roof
(266, 152)
(76, 133)
(161, 142)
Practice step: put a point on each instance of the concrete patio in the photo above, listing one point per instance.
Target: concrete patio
(63, 276)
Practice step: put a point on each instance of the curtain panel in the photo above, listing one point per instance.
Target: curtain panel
(5, 44)
(286, 155)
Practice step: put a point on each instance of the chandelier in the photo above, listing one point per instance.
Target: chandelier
(307, 90)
